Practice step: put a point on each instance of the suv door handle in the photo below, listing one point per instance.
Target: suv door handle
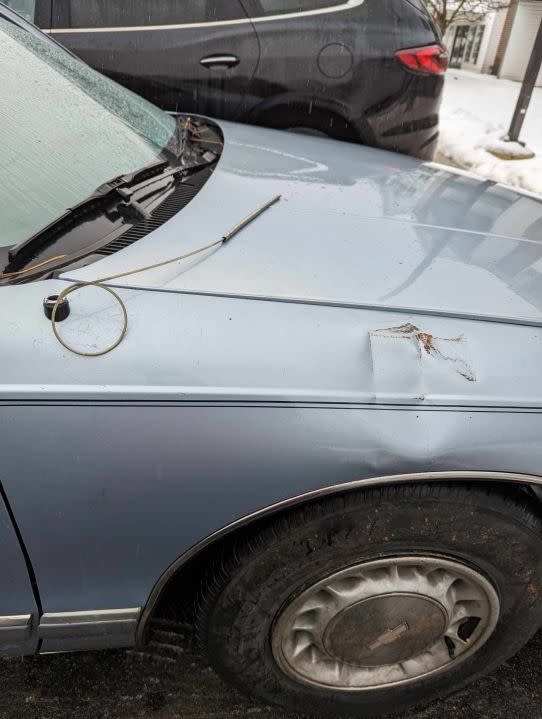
(219, 61)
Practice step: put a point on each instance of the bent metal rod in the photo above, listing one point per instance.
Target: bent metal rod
(101, 281)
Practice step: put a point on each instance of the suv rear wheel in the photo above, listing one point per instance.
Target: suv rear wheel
(377, 600)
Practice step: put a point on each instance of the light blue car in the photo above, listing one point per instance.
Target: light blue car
(288, 385)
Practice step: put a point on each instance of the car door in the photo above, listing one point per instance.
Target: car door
(19, 614)
(307, 50)
(194, 56)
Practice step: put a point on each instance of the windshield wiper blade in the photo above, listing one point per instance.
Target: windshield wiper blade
(100, 196)
(122, 187)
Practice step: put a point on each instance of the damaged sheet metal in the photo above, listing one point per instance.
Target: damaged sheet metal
(412, 361)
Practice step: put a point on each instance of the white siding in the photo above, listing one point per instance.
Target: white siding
(448, 38)
(520, 45)
(493, 40)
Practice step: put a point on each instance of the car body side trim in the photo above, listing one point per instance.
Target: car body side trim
(460, 475)
(15, 621)
(86, 630)
(15, 630)
(155, 400)
(96, 615)
(56, 625)
(348, 5)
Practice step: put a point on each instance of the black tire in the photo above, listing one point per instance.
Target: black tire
(495, 531)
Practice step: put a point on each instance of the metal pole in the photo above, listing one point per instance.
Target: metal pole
(527, 88)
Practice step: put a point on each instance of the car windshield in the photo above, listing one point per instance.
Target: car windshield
(66, 130)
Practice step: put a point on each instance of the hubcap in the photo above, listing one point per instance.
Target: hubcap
(383, 622)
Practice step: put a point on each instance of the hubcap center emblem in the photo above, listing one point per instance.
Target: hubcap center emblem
(385, 629)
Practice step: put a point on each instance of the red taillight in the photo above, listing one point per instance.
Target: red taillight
(430, 59)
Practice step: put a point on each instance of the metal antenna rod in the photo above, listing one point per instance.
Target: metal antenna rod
(253, 215)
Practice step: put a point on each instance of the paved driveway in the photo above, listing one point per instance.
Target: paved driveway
(174, 683)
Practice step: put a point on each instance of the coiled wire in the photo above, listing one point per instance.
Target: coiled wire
(102, 280)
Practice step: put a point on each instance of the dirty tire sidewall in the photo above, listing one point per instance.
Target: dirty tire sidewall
(497, 533)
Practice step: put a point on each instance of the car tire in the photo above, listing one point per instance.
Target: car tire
(440, 582)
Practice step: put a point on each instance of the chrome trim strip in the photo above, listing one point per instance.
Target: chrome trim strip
(182, 396)
(96, 616)
(389, 479)
(346, 304)
(15, 621)
(57, 628)
(473, 176)
(348, 5)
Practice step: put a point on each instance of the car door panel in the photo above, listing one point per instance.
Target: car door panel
(187, 426)
(19, 613)
(327, 57)
(291, 45)
(164, 62)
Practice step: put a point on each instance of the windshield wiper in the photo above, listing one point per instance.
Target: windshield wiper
(121, 188)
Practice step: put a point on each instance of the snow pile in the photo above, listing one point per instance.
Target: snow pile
(505, 149)
(476, 112)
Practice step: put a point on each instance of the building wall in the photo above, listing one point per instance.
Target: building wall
(505, 35)
(526, 23)
(493, 39)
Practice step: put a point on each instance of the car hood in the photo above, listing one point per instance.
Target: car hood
(355, 227)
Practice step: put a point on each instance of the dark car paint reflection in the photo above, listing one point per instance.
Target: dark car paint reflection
(490, 212)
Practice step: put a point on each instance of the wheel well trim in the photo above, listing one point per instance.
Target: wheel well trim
(291, 502)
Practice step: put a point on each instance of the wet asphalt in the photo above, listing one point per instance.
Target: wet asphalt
(173, 682)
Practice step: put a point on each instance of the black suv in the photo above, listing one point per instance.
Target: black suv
(370, 71)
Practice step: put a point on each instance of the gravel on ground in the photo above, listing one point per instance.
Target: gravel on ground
(171, 681)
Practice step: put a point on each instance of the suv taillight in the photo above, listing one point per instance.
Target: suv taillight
(430, 59)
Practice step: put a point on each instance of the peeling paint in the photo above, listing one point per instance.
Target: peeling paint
(427, 343)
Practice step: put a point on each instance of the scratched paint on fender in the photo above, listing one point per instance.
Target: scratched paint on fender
(412, 359)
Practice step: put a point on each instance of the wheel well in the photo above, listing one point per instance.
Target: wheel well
(181, 594)
(305, 113)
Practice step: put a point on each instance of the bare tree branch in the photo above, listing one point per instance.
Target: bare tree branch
(446, 12)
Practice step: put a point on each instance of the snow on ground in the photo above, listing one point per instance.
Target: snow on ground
(476, 113)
